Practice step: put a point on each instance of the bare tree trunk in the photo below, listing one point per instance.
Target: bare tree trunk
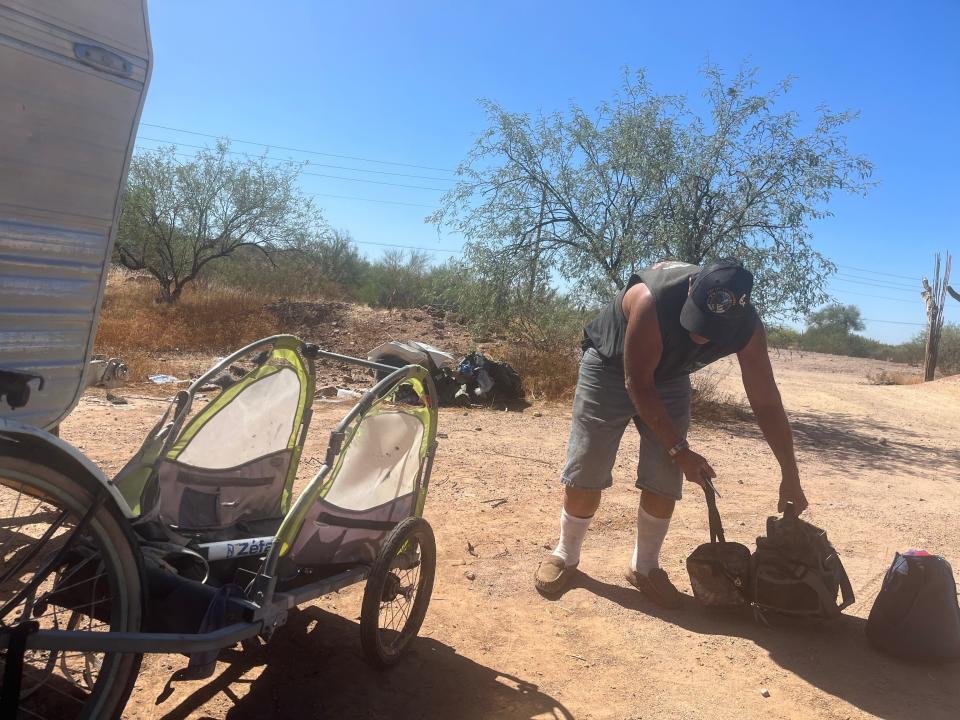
(935, 296)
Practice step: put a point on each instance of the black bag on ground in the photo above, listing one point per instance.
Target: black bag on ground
(916, 614)
(719, 570)
(796, 571)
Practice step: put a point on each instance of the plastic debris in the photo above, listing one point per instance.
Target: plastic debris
(163, 379)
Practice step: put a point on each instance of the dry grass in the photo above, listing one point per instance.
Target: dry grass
(143, 332)
(548, 373)
(886, 377)
(709, 402)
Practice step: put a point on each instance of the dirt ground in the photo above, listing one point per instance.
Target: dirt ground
(881, 467)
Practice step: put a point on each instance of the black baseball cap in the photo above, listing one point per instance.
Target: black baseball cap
(719, 303)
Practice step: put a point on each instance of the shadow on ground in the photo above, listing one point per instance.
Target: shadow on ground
(833, 656)
(314, 669)
(852, 442)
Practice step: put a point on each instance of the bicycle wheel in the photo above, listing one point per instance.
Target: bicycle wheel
(397, 592)
(90, 580)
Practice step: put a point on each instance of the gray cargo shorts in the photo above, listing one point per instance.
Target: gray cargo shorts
(602, 409)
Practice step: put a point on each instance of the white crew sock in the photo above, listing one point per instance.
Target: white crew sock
(650, 534)
(572, 531)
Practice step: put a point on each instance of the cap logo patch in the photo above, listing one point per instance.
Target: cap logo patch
(720, 300)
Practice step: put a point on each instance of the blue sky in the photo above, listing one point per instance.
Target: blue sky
(399, 83)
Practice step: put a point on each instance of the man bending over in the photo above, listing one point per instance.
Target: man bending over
(670, 321)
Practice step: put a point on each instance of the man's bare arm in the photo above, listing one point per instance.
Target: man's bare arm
(764, 397)
(642, 348)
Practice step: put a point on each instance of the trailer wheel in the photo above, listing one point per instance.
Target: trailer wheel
(63, 577)
(397, 592)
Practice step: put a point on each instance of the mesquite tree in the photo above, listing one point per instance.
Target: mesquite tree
(595, 196)
(180, 215)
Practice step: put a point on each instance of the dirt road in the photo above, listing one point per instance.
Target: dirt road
(881, 467)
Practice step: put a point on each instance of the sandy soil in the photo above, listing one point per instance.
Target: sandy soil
(882, 471)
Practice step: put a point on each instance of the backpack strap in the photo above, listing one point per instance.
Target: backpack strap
(846, 589)
(716, 525)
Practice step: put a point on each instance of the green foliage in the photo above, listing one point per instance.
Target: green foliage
(397, 280)
(322, 265)
(593, 197)
(837, 318)
(779, 336)
(180, 217)
(831, 330)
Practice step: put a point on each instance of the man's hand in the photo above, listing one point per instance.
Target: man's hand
(790, 491)
(695, 467)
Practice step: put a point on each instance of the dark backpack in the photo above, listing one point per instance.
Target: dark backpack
(796, 571)
(916, 614)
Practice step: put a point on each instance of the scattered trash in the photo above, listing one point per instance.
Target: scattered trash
(344, 394)
(116, 399)
(487, 379)
(470, 575)
(411, 352)
(163, 379)
(475, 378)
(106, 373)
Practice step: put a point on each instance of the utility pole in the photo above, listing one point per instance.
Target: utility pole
(935, 297)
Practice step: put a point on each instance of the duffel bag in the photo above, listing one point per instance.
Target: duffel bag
(719, 570)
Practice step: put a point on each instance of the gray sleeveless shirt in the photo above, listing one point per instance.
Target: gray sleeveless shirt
(668, 284)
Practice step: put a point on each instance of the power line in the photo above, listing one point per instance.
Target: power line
(373, 200)
(352, 197)
(301, 150)
(893, 322)
(876, 297)
(879, 282)
(311, 164)
(875, 272)
(893, 288)
(359, 180)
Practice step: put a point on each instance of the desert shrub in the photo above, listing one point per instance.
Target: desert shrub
(913, 351)
(208, 319)
(397, 280)
(887, 377)
(546, 352)
(709, 401)
(779, 336)
(329, 267)
(838, 342)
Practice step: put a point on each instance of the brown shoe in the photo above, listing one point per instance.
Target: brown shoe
(553, 575)
(656, 586)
